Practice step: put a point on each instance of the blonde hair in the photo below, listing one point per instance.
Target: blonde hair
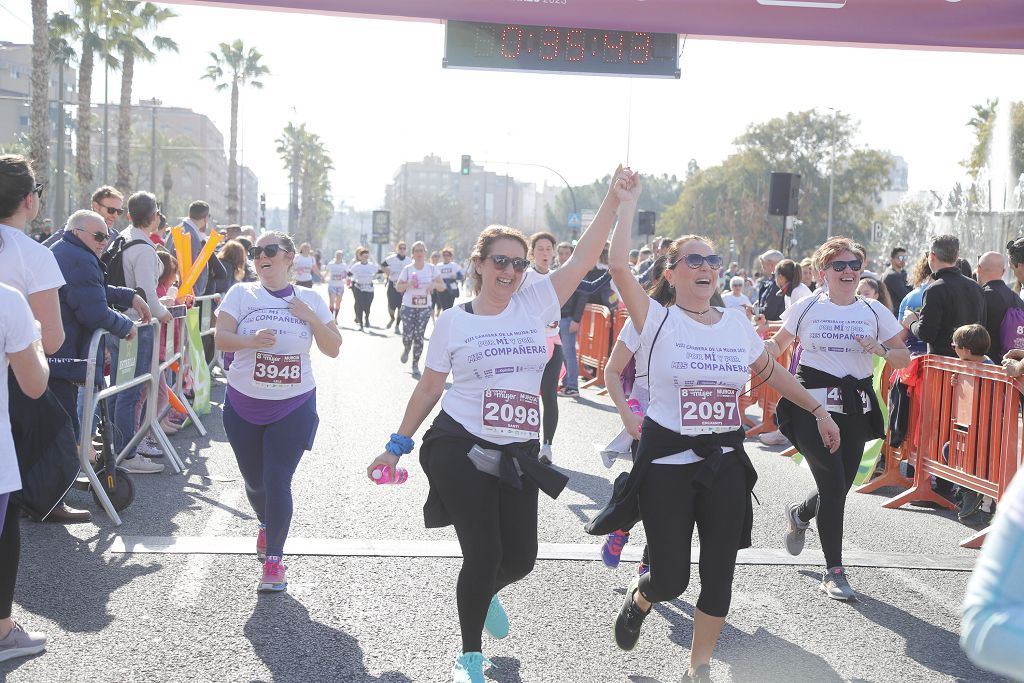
(484, 244)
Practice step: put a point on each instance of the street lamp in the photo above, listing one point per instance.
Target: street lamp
(153, 104)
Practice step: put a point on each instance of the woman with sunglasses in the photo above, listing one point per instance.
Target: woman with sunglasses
(691, 468)
(839, 333)
(270, 413)
(487, 431)
(418, 283)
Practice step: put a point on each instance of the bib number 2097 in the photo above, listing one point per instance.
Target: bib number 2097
(507, 412)
(701, 408)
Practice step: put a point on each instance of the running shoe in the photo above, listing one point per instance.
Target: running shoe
(609, 458)
(140, 464)
(611, 551)
(405, 354)
(261, 543)
(496, 622)
(545, 454)
(796, 530)
(702, 674)
(416, 372)
(21, 643)
(630, 619)
(568, 391)
(150, 448)
(469, 668)
(835, 585)
(272, 579)
(775, 438)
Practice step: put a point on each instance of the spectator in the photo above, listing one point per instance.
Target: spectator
(564, 252)
(864, 270)
(196, 226)
(568, 326)
(807, 275)
(949, 302)
(870, 288)
(634, 258)
(769, 303)
(788, 278)
(1015, 249)
(644, 255)
(895, 276)
(142, 270)
(232, 232)
(661, 246)
(965, 267)
(920, 278)
(735, 298)
(998, 299)
(235, 260)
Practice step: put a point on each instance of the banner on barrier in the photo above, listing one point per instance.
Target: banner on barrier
(197, 362)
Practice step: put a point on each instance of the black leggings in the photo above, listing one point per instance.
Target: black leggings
(363, 300)
(10, 553)
(549, 393)
(670, 505)
(833, 474)
(497, 530)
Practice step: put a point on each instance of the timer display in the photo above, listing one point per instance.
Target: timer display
(518, 47)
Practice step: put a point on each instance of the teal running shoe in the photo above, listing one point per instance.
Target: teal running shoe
(469, 668)
(496, 623)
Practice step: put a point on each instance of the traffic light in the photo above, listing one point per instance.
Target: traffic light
(263, 210)
(466, 163)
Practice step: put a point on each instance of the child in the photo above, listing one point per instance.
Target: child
(971, 343)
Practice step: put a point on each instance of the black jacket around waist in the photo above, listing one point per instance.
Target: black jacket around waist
(849, 387)
(623, 510)
(949, 302)
(446, 438)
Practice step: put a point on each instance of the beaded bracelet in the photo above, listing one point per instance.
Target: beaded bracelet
(399, 445)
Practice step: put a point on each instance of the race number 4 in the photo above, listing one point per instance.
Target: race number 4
(507, 412)
(703, 408)
(274, 371)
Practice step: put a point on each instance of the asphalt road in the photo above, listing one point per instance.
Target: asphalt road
(116, 616)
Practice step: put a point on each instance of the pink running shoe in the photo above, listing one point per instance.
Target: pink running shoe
(261, 544)
(272, 579)
(611, 551)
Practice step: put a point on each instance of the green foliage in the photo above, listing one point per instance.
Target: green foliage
(660, 192)
(309, 164)
(983, 123)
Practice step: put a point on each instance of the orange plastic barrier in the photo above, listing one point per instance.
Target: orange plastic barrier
(618, 322)
(593, 341)
(762, 394)
(893, 455)
(974, 408)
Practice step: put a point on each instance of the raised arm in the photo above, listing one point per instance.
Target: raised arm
(632, 293)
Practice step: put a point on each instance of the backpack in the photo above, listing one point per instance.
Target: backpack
(1011, 330)
(113, 260)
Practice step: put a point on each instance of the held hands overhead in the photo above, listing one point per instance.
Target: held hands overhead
(625, 184)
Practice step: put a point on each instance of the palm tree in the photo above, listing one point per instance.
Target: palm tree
(309, 164)
(62, 53)
(235, 67)
(40, 113)
(132, 20)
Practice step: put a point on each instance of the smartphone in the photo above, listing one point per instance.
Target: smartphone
(179, 311)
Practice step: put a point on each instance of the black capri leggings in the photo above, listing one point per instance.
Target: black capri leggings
(497, 530)
(833, 475)
(549, 393)
(10, 554)
(363, 300)
(670, 504)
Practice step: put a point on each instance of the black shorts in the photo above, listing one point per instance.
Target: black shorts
(394, 297)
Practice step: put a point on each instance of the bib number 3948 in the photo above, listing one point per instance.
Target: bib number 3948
(506, 412)
(275, 371)
(703, 408)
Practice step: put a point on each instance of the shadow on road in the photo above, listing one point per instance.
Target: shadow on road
(597, 489)
(505, 670)
(296, 648)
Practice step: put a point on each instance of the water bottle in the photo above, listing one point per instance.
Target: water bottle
(415, 281)
(381, 474)
(634, 407)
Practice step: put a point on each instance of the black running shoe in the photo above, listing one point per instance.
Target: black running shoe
(405, 354)
(702, 674)
(630, 619)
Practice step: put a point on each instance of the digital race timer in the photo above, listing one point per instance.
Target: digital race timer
(472, 45)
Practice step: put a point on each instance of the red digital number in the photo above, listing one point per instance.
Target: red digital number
(640, 47)
(613, 48)
(575, 45)
(511, 42)
(550, 39)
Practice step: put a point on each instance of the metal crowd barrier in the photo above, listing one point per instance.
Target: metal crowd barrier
(207, 324)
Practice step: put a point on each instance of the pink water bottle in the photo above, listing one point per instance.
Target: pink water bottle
(415, 281)
(381, 474)
(634, 407)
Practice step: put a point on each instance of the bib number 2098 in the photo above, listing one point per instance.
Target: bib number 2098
(274, 371)
(507, 412)
(701, 408)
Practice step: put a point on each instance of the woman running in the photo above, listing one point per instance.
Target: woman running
(542, 253)
(305, 266)
(362, 272)
(417, 282)
(487, 430)
(337, 275)
(839, 332)
(691, 467)
(270, 407)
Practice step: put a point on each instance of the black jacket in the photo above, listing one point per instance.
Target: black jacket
(949, 302)
(896, 283)
(770, 299)
(574, 305)
(998, 300)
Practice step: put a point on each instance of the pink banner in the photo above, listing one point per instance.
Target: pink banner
(996, 25)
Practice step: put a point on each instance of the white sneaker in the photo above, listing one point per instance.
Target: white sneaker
(545, 454)
(140, 464)
(150, 448)
(773, 438)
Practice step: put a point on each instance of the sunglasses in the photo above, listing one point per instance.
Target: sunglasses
(901, 257)
(37, 190)
(695, 261)
(270, 250)
(840, 266)
(502, 262)
(113, 211)
(98, 236)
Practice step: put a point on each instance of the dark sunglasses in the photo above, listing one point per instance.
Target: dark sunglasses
(98, 236)
(37, 190)
(270, 250)
(501, 262)
(112, 211)
(695, 261)
(840, 266)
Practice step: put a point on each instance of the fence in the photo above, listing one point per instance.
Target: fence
(594, 341)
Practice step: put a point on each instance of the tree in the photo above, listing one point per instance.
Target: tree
(438, 219)
(235, 67)
(660, 192)
(907, 225)
(983, 123)
(40, 111)
(131, 21)
(309, 164)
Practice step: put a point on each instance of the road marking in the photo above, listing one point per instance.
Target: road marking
(352, 547)
(189, 583)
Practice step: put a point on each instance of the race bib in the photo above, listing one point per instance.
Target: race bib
(337, 277)
(708, 408)
(419, 299)
(507, 412)
(832, 399)
(276, 371)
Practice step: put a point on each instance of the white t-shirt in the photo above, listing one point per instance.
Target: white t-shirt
(395, 266)
(363, 274)
(26, 265)
(451, 273)
(631, 339)
(496, 363)
(697, 372)
(735, 301)
(421, 284)
(336, 274)
(530, 278)
(283, 370)
(799, 292)
(303, 268)
(17, 332)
